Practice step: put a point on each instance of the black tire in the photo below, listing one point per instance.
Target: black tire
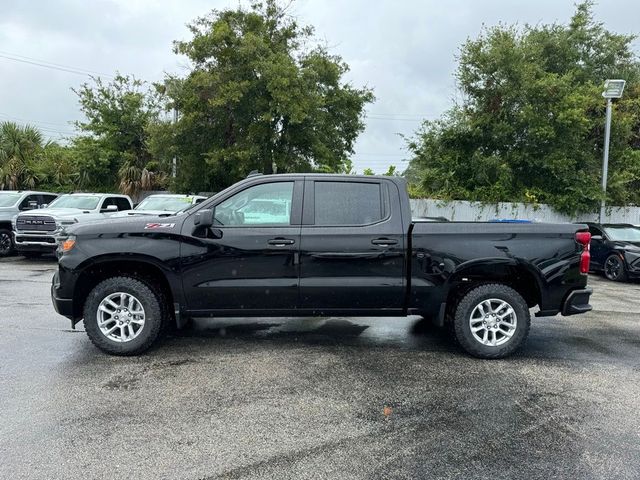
(150, 299)
(467, 307)
(614, 268)
(31, 254)
(6, 243)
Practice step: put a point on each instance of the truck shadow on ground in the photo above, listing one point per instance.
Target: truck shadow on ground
(415, 333)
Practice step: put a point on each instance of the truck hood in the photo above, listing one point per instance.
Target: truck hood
(634, 246)
(129, 224)
(133, 213)
(60, 212)
(7, 213)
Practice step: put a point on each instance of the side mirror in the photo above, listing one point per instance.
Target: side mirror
(597, 238)
(110, 208)
(204, 218)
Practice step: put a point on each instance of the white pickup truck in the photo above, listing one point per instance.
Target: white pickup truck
(162, 204)
(38, 231)
(12, 202)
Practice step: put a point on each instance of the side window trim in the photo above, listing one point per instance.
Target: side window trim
(295, 214)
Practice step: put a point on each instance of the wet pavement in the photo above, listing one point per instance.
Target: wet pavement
(336, 398)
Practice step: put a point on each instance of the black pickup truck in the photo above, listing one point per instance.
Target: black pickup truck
(317, 245)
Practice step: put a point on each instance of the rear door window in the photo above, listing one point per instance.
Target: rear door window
(348, 203)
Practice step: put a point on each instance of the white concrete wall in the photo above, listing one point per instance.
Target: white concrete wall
(475, 211)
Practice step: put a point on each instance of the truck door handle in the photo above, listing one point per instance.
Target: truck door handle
(384, 242)
(281, 242)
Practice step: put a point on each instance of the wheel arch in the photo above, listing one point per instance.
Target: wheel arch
(143, 267)
(519, 275)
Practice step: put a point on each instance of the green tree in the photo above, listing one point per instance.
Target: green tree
(21, 149)
(114, 150)
(530, 126)
(258, 97)
(58, 168)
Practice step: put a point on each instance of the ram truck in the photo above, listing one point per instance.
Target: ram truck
(344, 245)
(39, 231)
(13, 202)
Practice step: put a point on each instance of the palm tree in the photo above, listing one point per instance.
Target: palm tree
(20, 148)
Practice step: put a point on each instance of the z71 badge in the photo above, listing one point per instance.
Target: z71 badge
(153, 226)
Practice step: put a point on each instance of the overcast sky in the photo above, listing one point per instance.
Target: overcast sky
(404, 50)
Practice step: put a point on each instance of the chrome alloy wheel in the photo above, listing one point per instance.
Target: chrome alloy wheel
(493, 322)
(120, 317)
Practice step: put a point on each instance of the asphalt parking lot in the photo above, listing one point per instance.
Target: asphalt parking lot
(317, 398)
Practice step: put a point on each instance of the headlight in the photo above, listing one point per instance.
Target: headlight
(68, 244)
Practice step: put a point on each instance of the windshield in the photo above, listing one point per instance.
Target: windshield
(80, 202)
(165, 204)
(623, 234)
(9, 199)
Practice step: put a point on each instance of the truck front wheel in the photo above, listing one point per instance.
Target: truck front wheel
(492, 321)
(123, 315)
(6, 243)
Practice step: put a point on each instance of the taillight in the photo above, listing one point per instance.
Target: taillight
(584, 239)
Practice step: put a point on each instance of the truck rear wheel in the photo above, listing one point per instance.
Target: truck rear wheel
(123, 315)
(492, 321)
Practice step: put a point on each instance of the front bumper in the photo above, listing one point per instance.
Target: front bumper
(577, 302)
(64, 306)
(36, 242)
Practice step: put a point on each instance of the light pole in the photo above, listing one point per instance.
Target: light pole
(612, 89)
(174, 162)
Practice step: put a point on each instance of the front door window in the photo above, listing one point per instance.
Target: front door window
(266, 204)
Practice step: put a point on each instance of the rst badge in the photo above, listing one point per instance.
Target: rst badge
(153, 226)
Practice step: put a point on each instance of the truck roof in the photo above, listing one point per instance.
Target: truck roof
(328, 175)
(28, 192)
(175, 195)
(88, 194)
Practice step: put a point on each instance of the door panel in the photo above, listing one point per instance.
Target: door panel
(599, 249)
(249, 266)
(351, 267)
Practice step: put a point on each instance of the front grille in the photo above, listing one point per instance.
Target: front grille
(34, 238)
(35, 223)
